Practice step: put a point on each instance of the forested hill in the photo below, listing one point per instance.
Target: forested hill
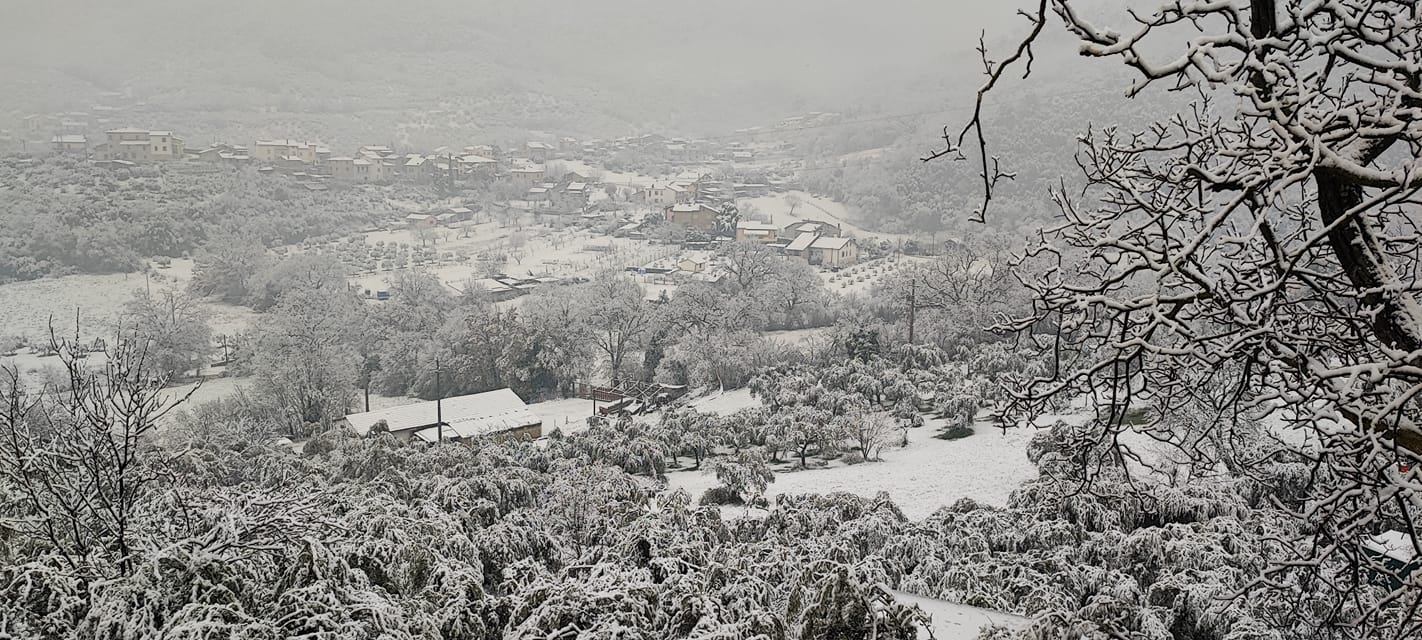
(586, 68)
(877, 168)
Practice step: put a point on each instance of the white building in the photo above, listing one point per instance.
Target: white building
(498, 413)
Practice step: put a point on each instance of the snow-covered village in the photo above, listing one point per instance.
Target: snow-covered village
(635, 320)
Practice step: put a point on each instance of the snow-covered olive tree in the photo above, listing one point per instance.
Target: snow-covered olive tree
(1254, 252)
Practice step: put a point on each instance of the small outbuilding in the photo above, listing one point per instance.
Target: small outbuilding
(501, 413)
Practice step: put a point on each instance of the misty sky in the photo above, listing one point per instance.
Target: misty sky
(583, 67)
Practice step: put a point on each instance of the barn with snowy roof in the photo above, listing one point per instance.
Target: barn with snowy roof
(501, 413)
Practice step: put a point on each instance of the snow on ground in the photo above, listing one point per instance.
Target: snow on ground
(815, 208)
(952, 621)
(921, 478)
(545, 252)
(204, 392)
(726, 402)
(866, 277)
(799, 337)
(605, 176)
(622, 179)
(36, 371)
(26, 307)
(570, 414)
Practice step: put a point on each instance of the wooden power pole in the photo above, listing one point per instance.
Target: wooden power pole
(913, 306)
(439, 406)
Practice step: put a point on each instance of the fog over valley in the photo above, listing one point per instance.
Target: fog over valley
(719, 320)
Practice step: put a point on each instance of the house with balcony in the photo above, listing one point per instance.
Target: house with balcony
(70, 143)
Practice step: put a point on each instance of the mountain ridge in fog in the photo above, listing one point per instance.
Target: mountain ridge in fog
(591, 68)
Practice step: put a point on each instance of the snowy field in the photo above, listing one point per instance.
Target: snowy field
(921, 478)
(726, 402)
(866, 277)
(957, 621)
(26, 307)
(816, 208)
(800, 337)
(543, 252)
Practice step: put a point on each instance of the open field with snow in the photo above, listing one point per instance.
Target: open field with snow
(777, 208)
(866, 277)
(26, 307)
(921, 478)
(528, 250)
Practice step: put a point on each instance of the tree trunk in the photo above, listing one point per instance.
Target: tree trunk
(1395, 320)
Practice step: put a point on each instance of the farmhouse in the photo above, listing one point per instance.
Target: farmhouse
(227, 153)
(418, 168)
(140, 145)
(69, 143)
(810, 226)
(290, 151)
(696, 216)
(527, 175)
(360, 169)
(661, 194)
(539, 151)
(761, 232)
(495, 290)
(827, 251)
(691, 264)
(477, 165)
(498, 413)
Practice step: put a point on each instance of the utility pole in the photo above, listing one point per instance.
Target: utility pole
(913, 305)
(439, 406)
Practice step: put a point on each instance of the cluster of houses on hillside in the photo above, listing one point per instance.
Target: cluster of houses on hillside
(691, 199)
(73, 133)
(381, 162)
(125, 146)
(314, 161)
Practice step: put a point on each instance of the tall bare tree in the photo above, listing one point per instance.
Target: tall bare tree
(616, 318)
(748, 262)
(1254, 253)
(173, 327)
(77, 455)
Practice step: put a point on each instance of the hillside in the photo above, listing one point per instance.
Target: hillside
(344, 71)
